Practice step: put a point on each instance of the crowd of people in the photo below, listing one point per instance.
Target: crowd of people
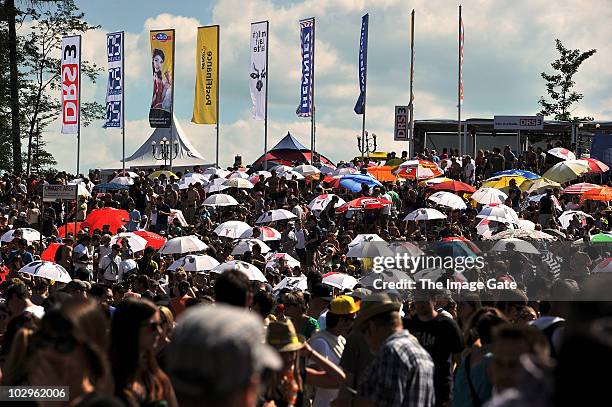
(132, 328)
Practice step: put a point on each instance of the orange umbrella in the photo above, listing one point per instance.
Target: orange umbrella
(383, 173)
(598, 194)
(69, 228)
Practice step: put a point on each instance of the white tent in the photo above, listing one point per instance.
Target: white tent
(187, 156)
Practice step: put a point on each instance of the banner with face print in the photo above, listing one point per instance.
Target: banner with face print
(258, 71)
(114, 89)
(71, 84)
(162, 65)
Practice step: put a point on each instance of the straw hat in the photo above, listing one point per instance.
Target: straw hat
(282, 336)
(373, 305)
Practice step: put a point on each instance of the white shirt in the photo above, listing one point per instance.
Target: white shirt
(109, 265)
(81, 250)
(300, 236)
(387, 208)
(323, 397)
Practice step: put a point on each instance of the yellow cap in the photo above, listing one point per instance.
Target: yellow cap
(343, 305)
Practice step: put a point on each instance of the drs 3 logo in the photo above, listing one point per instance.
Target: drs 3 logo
(162, 37)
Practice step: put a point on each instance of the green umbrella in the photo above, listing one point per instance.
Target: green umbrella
(601, 238)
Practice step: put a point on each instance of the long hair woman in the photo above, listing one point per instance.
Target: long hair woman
(71, 349)
(135, 332)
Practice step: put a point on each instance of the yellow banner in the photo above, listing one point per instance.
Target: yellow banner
(162, 63)
(205, 105)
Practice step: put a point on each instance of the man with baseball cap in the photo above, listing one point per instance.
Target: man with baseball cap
(217, 357)
(401, 374)
(330, 341)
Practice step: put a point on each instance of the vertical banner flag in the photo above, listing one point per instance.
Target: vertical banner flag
(259, 68)
(461, 38)
(363, 64)
(207, 76)
(114, 89)
(71, 82)
(162, 65)
(307, 42)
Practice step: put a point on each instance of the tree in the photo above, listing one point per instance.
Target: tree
(559, 85)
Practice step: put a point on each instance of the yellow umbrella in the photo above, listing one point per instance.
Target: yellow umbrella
(503, 182)
(567, 170)
(536, 185)
(167, 173)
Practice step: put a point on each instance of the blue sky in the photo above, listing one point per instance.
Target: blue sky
(507, 45)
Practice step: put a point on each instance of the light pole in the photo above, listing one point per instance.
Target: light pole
(365, 144)
(164, 150)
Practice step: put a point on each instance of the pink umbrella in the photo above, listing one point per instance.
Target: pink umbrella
(579, 189)
(562, 153)
(596, 166)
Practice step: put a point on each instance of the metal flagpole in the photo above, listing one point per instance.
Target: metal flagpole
(172, 108)
(411, 140)
(459, 86)
(266, 116)
(79, 116)
(123, 97)
(218, 80)
(312, 102)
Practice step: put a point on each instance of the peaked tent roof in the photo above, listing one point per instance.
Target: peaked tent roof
(187, 156)
(289, 143)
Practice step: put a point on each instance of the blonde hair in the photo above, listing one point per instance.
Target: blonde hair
(16, 366)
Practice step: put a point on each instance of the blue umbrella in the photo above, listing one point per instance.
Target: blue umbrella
(519, 173)
(110, 187)
(353, 182)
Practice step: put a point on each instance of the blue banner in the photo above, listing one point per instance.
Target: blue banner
(307, 86)
(363, 65)
(114, 92)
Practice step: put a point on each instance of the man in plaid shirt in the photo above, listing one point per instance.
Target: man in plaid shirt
(401, 375)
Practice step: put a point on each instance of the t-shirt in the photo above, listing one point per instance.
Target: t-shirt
(109, 266)
(83, 258)
(546, 205)
(162, 219)
(321, 343)
(441, 337)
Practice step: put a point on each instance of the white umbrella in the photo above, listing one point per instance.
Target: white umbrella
(240, 183)
(292, 283)
(273, 260)
(220, 200)
(183, 244)
(340, 280)
(425, 214)
(48, 270)
(289, 175)
(83, 191)
(365, 237)
(523, 235)
(567, 216)
(130, 174)
(215, 187)
(232, 229)
(177, 214)
(386, 276)
(29, 234)
(266, 174)
(137, 243)
(252, 272)
(489, 195)
(216, 171)
(567, 170)
(340, 172)
(195, 263)
(519, 246)
(562, 153)
(246, 245)
(307, 170)
(122, 181)
(275, 215)
(281, 168)
(500, 213)
(193, 178)
(448, 199)
(326, 169)
(319, 203)
(410, 249)
(266, 233)
(367, 249)
(433, 274)
(238, 174)
(525, 224)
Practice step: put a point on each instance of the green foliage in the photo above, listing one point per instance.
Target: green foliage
(560, 84)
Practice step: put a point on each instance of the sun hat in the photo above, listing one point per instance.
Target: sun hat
(373, 305)
(282, 336)
(343, 305)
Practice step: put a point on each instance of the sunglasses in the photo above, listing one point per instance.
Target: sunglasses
(61, 344)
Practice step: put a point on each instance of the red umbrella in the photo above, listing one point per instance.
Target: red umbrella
(115, 218)
(69, 228)
(469, 243)
(596, 166)
(454, 186)
(49, 253)
(153, 239)
(365, 202)
(579, 189)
